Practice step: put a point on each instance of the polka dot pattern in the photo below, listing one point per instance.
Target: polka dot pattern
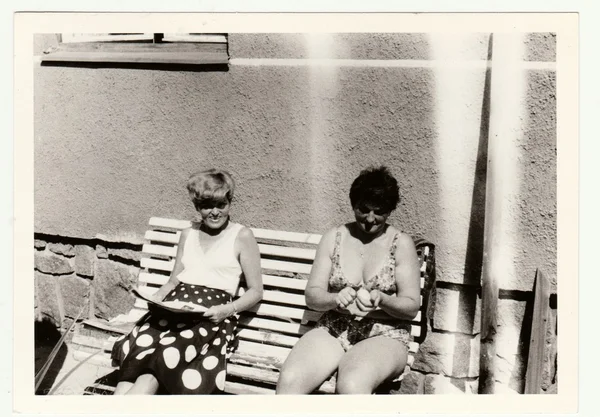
(190, 353)
(188, 334)
(210, 362)
(220, 380)
(191, 378)
(186, 355)
(144, 340)
(171, 356)
(145, 353)
(167, 340)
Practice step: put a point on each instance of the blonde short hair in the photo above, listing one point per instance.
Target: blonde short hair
(211, 184)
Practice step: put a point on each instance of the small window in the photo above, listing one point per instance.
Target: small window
(141, 48)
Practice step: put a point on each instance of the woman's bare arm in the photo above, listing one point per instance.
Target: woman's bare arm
(317, 295)
(250, 263)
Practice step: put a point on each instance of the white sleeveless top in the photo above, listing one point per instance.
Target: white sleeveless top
(218, 267)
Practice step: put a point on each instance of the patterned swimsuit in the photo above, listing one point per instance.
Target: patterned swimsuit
(349, 329)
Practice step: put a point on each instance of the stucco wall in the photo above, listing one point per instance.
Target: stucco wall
(115, 146)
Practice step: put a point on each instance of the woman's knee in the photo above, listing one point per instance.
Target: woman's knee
(353, 383)
(290, 380)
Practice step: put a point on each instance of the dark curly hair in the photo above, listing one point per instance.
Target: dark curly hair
(375, 186)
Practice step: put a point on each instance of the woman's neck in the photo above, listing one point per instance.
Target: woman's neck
(364, 237)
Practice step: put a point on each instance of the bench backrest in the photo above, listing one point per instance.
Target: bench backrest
(271, 328)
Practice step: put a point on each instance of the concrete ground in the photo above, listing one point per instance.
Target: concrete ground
(74, 376)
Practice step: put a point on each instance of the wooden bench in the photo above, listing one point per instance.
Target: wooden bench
(268, 331)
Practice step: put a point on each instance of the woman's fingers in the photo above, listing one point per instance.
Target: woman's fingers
(375, 297)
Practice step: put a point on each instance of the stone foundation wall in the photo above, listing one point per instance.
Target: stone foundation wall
(90, 274)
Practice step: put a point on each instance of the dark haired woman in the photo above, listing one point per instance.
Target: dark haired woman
(365, 274)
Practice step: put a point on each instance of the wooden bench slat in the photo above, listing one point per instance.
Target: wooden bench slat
(243, 389)
(275, 354)
(150, 278)
(295, 237)
(160, 250)
(163, 237)
(284, 266)
(157, 264)
(169, 223)
(284, 251)
(263, 309)
(274, 325)
(281, 282)
(267, 337)
(279, 297)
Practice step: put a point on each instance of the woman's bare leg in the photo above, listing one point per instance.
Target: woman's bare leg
(145, 384)
(369, 363)
(122, 387)
(312, 360)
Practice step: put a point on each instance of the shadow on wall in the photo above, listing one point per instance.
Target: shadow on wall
(46, 336)
(467, 302)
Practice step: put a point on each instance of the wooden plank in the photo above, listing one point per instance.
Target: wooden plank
(285, 312)
(243, 389)
(289, 283)
(279, 297)
(267, 337)
(155, 279)
(537, 341)
(157, 264)
(274, 325)
(288, 252)
(298, 268)
(171, 224)
(163, 237)
(160, 250)
(275, 354)
(154, 57)
(286, 236)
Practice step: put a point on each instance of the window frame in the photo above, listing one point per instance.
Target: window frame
(140, 48)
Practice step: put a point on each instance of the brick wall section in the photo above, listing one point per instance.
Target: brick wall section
(74, 274)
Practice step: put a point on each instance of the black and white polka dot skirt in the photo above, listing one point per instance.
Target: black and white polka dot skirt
(185, 352)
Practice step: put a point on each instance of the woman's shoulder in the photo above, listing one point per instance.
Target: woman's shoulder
(403, 240)
(332, 233)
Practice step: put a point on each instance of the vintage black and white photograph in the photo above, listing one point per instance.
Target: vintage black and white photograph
(307, 212)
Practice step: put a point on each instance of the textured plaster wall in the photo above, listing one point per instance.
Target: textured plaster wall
(114, 147)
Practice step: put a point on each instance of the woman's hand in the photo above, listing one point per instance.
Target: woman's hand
(368, 301)
(217, 314)
(156, 297)
(345, 297)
